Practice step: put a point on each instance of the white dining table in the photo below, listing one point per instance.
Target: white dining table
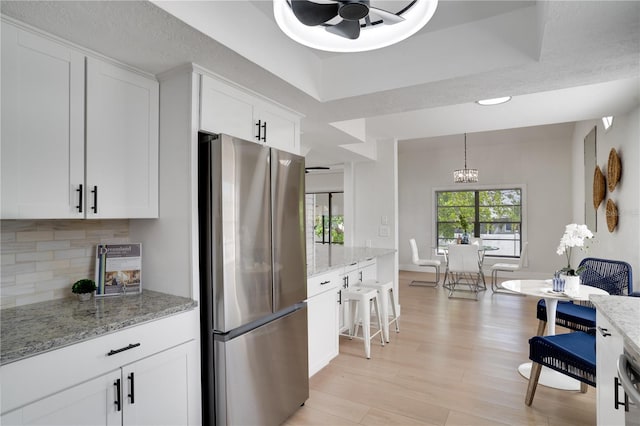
(543, 289)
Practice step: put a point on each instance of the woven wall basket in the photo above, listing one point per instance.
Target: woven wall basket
(614, 169)
(612, 215)
(599, 187)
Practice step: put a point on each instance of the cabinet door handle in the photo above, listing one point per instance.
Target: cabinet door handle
(325, 282)
(94, 191)
(264, 131)
(126, 348)
(131, 387)
(79, 191)
(616, 396)
(259, 125)
(117, 401)
(360, 275)
(339, 297)
(604, 331)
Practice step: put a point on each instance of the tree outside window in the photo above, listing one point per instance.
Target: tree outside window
(494, 215)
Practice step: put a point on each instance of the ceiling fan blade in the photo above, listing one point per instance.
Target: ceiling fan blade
(346, 29)
(387, 17)
(311, 14)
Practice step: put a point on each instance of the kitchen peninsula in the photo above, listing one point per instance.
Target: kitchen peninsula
(330, 269)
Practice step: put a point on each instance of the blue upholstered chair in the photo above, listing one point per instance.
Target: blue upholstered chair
(573, 354)
(613, 276)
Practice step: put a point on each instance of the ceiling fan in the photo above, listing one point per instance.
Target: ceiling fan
(343, 17)
(312, 168)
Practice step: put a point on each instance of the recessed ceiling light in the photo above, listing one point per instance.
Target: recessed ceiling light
(332, 34)
(494, 101)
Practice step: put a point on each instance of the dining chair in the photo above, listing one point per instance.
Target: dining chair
(427, 263)
(464, 268)
(507, 267)
(572, 354)
(613, 276)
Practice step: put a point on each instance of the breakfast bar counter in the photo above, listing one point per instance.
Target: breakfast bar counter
(326, 257)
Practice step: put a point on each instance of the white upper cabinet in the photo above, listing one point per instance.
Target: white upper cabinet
(226, 109)
(122, 143)
(43, 133)
(42, 127)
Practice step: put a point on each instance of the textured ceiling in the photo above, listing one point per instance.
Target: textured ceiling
(550, 56)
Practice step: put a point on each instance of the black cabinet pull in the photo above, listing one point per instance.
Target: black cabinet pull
(79, 191)
(117, 401)
(126, 348)
(259, 125)
(264, 131)
(616, 395)
(94, 191)
(339, 297)
(325, 282)
(131, 384)
(604, 332)
(360, 275)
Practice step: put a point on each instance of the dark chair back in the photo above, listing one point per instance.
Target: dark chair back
(613, 276)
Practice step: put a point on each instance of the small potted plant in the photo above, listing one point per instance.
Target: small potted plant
(464, 224)
(84, 288)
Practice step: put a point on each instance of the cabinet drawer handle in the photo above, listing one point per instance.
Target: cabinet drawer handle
(79, 191)
(131, 384)
(604, 331)
(264, 131)
(325, 282)
(117, 401)
(126, 348)
(258, 125)
(94, 191)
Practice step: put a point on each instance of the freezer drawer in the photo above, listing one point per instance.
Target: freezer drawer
(261, 377)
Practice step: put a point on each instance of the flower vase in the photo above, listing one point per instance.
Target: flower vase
(571, 284)
(465, 238)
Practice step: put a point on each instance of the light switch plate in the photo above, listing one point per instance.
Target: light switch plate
(383, 231)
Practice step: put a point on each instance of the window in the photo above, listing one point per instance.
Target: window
(495, 215)
(328, 217)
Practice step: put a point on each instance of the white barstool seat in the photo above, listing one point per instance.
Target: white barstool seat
(361, 299)
(387, 297)
(428, 263)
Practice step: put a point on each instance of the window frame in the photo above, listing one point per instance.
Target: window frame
(329, 217)
(479, 188)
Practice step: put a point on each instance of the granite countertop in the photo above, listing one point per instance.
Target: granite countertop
(623, 312)
(326, 257)
(39, 327)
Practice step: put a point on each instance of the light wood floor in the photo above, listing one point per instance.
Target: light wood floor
(453, 363)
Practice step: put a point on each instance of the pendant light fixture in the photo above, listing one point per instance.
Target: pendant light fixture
(465, 175)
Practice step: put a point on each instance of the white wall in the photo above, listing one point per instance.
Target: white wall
(535, 158)
(371, 206)
(624, 242)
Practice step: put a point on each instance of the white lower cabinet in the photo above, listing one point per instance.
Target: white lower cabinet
(609, 346)
(322, 318)
(89, 403)
(107, 381)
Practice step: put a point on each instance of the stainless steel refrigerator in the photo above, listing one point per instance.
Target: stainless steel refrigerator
(252, 282)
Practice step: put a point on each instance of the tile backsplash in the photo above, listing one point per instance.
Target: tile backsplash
(41, 259)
